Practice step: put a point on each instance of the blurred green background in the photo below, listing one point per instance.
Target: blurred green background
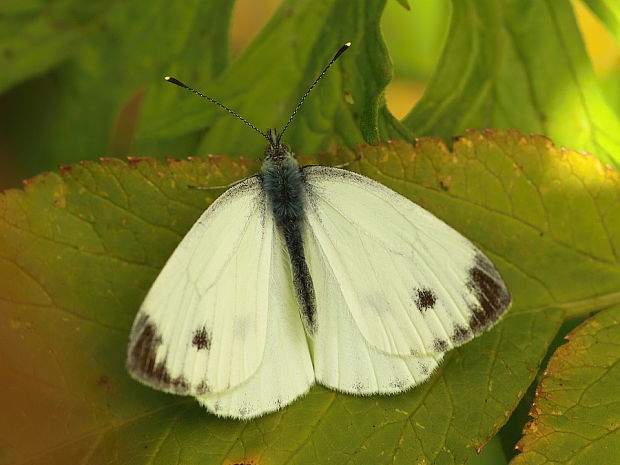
(30, 105)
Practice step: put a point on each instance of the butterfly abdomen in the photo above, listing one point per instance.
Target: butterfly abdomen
(283, 184)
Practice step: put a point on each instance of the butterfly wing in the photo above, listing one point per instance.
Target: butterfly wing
(411, 283)
(286, 371)
(203, 324)
(343, 359)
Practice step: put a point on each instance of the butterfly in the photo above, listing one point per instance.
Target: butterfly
(309, 274)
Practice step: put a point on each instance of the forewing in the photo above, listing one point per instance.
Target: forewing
(202, 325)
(412, 284)
(286, 370)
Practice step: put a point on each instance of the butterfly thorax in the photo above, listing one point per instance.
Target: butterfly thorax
(282, 180)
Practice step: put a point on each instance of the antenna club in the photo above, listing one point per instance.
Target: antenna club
(343, 49)
(303, 98)
(175, 81)
(222, 106)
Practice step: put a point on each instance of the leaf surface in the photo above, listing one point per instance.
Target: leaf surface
(36, 36)
(577, 404)
(80, 248)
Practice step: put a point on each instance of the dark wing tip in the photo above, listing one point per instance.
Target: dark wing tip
(491, 292)
(142, 361)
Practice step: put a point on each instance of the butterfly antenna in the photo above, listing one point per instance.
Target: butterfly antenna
(232, 112)
(338, 53)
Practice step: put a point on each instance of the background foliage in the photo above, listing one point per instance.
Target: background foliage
(80, 245)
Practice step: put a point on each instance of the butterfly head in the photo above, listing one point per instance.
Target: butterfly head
(276, 150)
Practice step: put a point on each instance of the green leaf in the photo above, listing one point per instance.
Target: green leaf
(577, 405)
(36, 36)
(80, 248)
(267, 81)
(414, 38)
(518, 65)
(94, 103)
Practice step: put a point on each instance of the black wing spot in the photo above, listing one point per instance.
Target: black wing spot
(424, 369)
(440, 345)
(425, 299)
(245, 410)
(460, 335)
(490, 291)
(358, 386)
(398, 383)
(202, 388)
(201, 339)
(143, 355)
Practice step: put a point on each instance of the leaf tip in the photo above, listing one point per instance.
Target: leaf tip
(134, 161)
(108, 160)
(26, 183)
(421, 142)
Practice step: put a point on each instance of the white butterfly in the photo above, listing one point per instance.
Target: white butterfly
(309, 274)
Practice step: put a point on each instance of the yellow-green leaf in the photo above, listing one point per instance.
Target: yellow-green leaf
(520, 65)
(80, 248)
(576, 413)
